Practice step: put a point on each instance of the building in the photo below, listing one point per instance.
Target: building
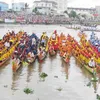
(62, 5)
(45, 6)
(98, 9)
(82, 10)
(3, 6)
(18, 6)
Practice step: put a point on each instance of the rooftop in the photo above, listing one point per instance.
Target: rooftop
(45, 1)
(81, 8)
(3, 2)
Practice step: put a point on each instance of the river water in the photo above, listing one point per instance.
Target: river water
(73, 80)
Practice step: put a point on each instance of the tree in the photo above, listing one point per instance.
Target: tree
(72, 14)
(35, 10)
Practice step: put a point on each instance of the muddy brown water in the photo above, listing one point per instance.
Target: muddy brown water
(71, 78)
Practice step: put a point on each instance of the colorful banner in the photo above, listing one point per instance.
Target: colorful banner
(10, 20)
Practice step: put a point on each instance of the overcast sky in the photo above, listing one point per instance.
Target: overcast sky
(83, 3)
(71, 3)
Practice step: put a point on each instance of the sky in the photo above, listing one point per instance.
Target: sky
(71, 3)
(83, 3)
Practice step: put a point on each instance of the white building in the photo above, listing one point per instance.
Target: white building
(45, 6)
(82, 10)
(18, 6)
(98, 9)
(62, 5)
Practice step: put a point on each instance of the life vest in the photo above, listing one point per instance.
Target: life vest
(54, 40)
(43, 36)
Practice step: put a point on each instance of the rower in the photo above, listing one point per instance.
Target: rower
(54, 34)
(51, 48)
(92, 34)
(92, 63)
(39, 51)
(22, 44)
(7, 45)
(33, 41)
(31, 54)
(43, 35)
(43, 38)
(43, 42)
(64, 56)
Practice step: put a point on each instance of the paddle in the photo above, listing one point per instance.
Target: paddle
(25, 63)
(95, 78)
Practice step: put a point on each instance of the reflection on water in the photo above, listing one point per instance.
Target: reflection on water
(72, 78)
(4, 66)
(15, 77)
(65, 68)
(29, 73)
(88, 76)
(40, 68)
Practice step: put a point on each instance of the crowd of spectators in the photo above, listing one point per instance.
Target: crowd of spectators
(32, 18)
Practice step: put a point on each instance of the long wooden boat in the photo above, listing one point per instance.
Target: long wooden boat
(17, 60)
(8, 54)
(30, 58)
(91, 70)
(76, 47)
(62, 42)
(25, 56)
(52, 52)
(65, 48)
(15, 65)
(93, 52)
(43, 47)
(3, 62)
(66, 58)
(82, 34)
(53, 43)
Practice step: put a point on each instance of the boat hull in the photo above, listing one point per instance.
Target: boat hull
(11, 51)
(2, 63)
(52, 53)
(91, 70)
(16, 66)
(42, 57)
(31, 60)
